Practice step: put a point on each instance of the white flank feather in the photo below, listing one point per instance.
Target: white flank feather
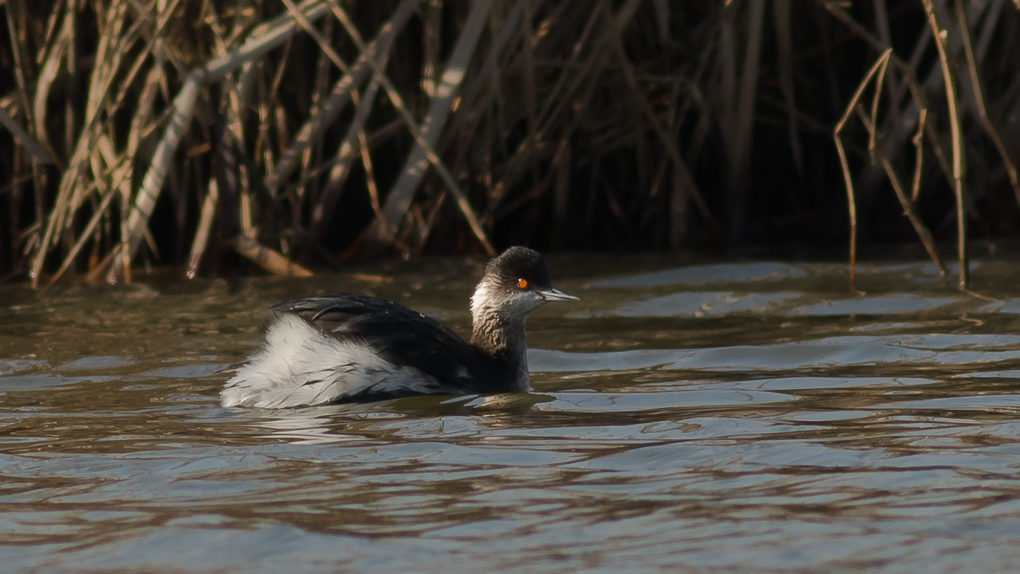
(299, 366)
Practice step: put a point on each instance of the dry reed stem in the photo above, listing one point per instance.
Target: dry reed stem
(17, 41)
(953, 170)
(37, 151)
(918, 141)
(345, 157)
(324, 116)
(894, 139)
(97, 216)
(399, 198)
(878, 68)
(120, 184)
(235, 94)
(525, 154)
(60, 215)
(957, 139)
(784, 48)
(591, 70)
(543, 148)
(727, 71)
(919, 227)
(908, 208)
(48, 73)
(100, 82)
(268, 259)
(278, 32)
(204, 230)
(979, 101)
(991, 23)
(534, 104)
(740, 157)
(237, 102)
(677, 198)
(139, 123)
(152, 184)
(430, 68)
(478, 97)
(690, 188)
(366, 161)
(528, 63)
(873, 127)
(549, 113)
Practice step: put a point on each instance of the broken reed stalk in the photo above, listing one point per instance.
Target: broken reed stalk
(877, 69)
(268, 259)
(957, 139)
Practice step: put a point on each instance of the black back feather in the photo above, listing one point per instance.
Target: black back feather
(399, 335)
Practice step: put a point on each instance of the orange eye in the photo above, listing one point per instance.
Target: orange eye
(522, 283)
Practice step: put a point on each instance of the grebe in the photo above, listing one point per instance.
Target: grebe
(353, 348)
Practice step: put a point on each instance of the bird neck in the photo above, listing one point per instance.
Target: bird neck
(498, 336)
(502, 341)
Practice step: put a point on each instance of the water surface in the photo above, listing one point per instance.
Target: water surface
(734, 417)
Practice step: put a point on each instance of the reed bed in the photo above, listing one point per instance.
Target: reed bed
(294, 135)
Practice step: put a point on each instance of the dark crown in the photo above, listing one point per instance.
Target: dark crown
(519, 263)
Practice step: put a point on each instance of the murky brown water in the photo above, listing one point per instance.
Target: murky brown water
(750, 417)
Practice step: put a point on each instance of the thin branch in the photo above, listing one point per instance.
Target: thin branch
(957, 139)
(878, 66)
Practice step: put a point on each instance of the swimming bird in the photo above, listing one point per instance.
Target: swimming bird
(353, 348)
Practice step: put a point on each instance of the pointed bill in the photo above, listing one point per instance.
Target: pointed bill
(556, 295)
